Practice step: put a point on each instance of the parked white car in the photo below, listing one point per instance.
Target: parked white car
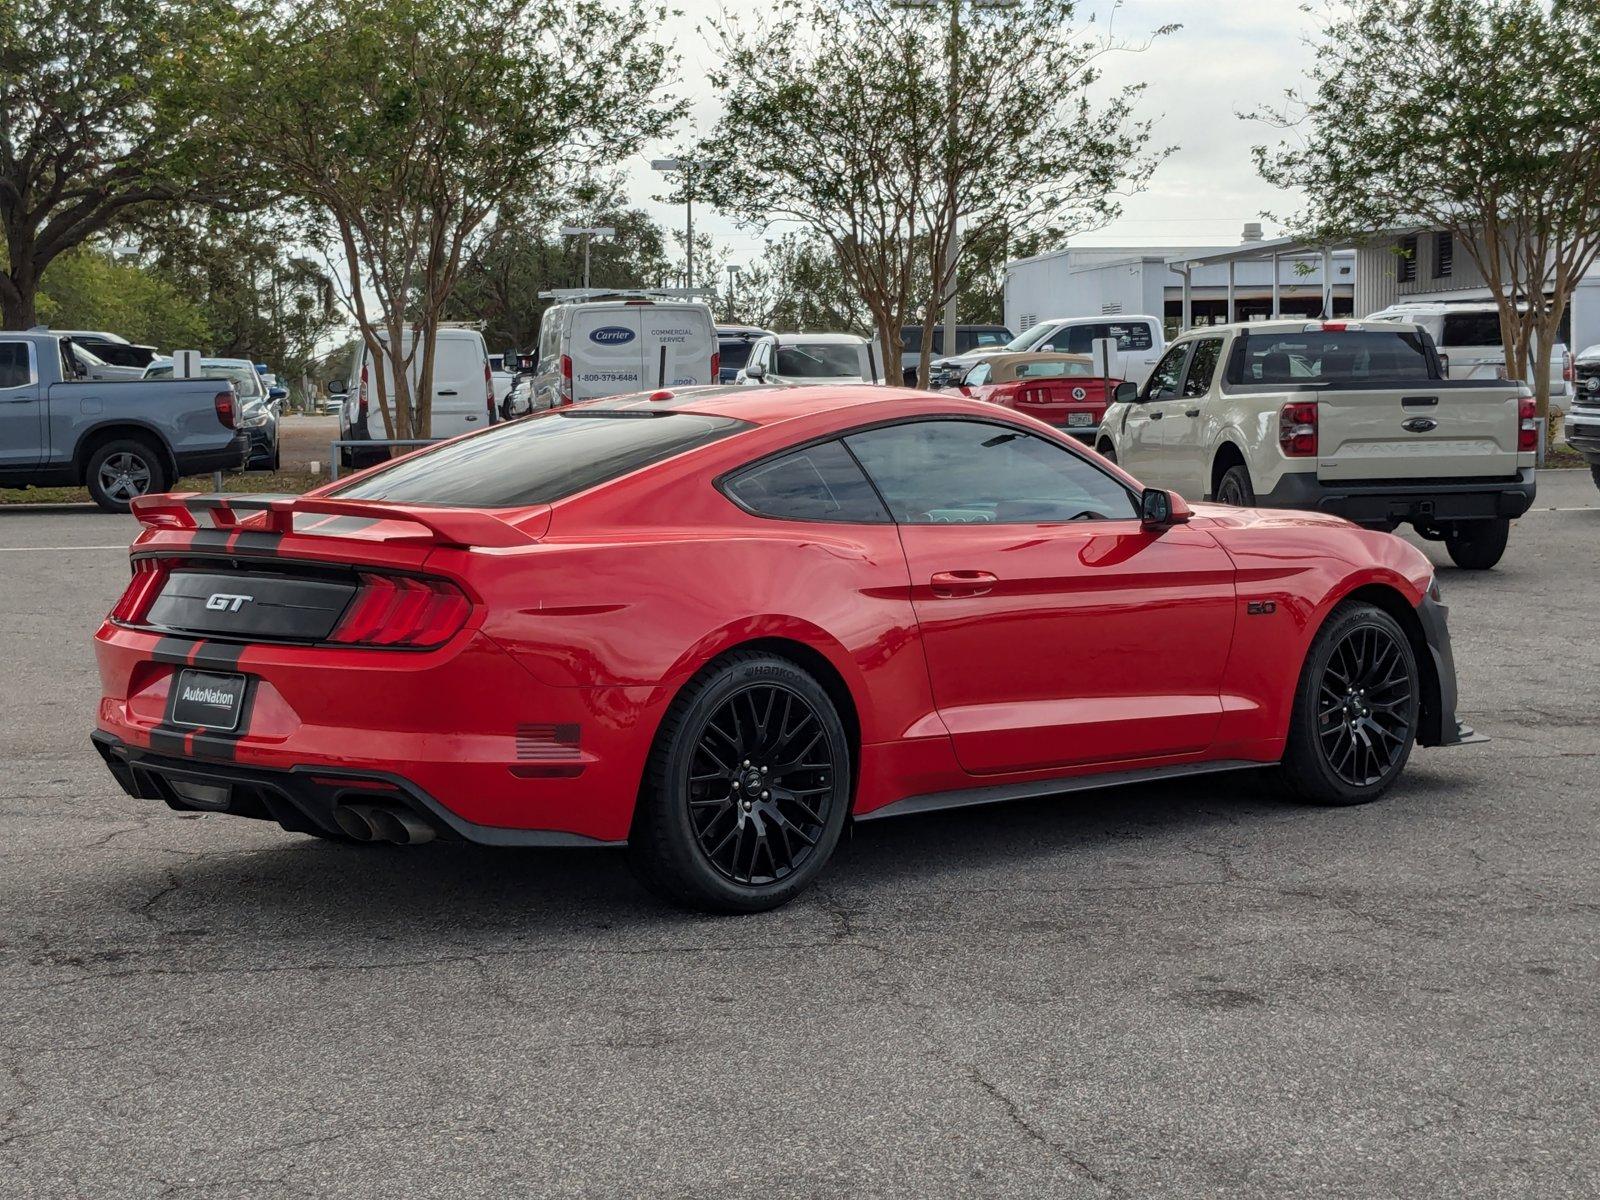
(1469, 342)
(628, 342)
(811, 358)
(1343, 417)
(463, 391)
(1140, 341)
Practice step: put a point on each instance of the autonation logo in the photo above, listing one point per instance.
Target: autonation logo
(611, 335)
(208, 695)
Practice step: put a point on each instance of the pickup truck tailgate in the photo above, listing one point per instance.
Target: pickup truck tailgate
(1427, 432)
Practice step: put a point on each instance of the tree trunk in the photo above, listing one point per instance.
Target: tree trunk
(19, 288)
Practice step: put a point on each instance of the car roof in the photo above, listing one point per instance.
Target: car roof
(774, 404)
(822, 339)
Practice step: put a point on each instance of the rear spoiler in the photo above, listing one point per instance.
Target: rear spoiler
(445, 526)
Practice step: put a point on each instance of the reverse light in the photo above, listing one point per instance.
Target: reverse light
(227, 408)
(1527, 425)
(1297, 429)
(394, 610)
(148, 576)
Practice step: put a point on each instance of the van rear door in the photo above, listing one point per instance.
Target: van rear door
(678, 343)
(460, 390)
(606, 350)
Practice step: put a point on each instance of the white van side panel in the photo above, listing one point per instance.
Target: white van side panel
(603, 343)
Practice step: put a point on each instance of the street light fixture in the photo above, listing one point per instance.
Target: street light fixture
(733, 280)
(686, 168)
(586, 232)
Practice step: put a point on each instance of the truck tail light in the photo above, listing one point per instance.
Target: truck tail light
(716, 366)
(148, 576)
(1527, 425)
(394, 610)
(1569, 372)
(361, 395)
(227, 410)
(1297, 429)
(488, 389)
(566, 378)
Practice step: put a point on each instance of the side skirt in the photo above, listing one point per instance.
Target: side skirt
(1001, 792)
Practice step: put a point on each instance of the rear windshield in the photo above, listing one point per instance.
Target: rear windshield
(735, 352)
(1353, 356)
(818, 360)
(540, 459)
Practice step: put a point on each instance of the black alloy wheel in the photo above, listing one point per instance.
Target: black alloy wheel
(1235, 488)
(761, 784)
(1365, 706)
(747, 789)
(1356, 709)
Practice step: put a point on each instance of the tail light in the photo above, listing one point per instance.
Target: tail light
(488, 389)
(227, 409)
(716, 365)
(566, 378)
(393, 610)
(1297, 429)
(361, 395)
(1569, 372)
(1527, 424)
(148, 576)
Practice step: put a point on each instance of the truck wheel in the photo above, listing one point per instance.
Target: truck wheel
(1108, 452)
(1477, 545)
(1235, 488)
(122, 470)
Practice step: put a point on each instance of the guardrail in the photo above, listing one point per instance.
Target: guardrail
(333, 447)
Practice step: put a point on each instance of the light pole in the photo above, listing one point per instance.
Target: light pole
(733, 279)
(952, 247)
(686, 168)
(586, 232)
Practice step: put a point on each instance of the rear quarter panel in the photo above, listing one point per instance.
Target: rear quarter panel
(181, 413)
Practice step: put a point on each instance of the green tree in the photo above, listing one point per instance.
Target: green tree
(96, 123)
(407, 126)
(882, 131)
(1481, 117)
(90, 288)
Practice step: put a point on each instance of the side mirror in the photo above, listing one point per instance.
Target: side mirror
(1126, 393)
(755, 371)
(277, 393)
(1159, 508)
(337, 387)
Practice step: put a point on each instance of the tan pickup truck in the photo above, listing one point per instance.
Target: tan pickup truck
(1335, 416)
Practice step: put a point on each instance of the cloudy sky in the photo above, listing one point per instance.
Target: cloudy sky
(1230, 56)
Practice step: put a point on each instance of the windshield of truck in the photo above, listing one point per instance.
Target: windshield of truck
(1026, 339)
(1354, 356)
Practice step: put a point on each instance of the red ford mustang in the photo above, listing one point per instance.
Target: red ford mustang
(717, 625)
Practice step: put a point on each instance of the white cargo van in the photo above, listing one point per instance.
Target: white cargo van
(1467, 334)
(589, 348)
(463, 391)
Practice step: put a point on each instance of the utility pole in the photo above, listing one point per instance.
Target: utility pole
(685, 167)
(586, 232)
(952, 242)
(733, 279)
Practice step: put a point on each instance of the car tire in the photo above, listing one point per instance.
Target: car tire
(123, 469)
(1594, 471)
(1108, 452)
(1236, 489)
(1355, 711)
(713, 834)
(275, 463)
(1477, 545)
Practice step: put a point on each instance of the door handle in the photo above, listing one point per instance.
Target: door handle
(444, 392)
(962, 583)
(1192, 412)
(1156, 415)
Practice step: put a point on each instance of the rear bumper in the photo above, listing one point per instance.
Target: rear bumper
(1396, 500)
(464, 728)
(198, 462)
(301, 799)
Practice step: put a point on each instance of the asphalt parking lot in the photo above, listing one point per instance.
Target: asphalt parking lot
(1195, 990)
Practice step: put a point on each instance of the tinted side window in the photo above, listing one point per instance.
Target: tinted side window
(1202, 366)
(1471, 329)
(819, 483)
(969, 472)
(14, 365)
(539, 459)
(1163, 383)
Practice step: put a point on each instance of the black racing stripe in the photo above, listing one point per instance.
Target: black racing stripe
(216, 656)
(207, 744)
(211, 539)
(172, 650)
(251, 541)
(168, 739)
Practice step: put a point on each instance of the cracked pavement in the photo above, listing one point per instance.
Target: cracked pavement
(1195, 990)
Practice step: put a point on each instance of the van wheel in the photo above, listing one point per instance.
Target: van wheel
(747, 788)
(1477, 545)
(123, 470)
(1235, 488)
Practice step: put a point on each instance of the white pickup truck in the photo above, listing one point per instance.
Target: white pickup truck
(1339, 417)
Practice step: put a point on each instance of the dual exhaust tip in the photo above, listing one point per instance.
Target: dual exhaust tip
(376, 823)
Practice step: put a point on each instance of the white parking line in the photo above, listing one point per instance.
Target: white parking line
(56, 549)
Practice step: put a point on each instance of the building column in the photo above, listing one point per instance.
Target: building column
(1277, 288)
(1230, 317)
(1327, 284)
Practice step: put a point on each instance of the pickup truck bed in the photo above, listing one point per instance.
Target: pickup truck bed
(118, 438)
